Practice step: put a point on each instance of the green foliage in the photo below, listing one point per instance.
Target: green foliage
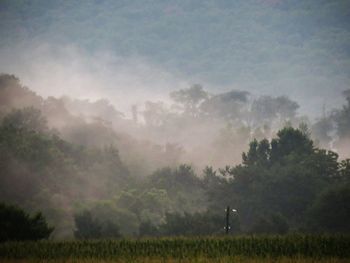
(125, 219)
(196, 224)
(331, 210)
(345, 170)
(17, 225)
(275, 224)
(28, 118)
(35, 161)
(90, 228)
(290, 142)
(86, 226)
(183, 187)
(283, 177)
(175, 179)
(148, 229)
(278, 188)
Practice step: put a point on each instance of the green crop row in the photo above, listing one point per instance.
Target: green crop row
(187, 260)
(181, 248)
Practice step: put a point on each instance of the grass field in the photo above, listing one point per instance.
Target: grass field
(288, 249)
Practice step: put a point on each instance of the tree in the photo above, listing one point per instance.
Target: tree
(86, 226)
(345, 170)
(268, 109)
(259, 153)
(27, 118)
(321, 130)
(290, 141)
(331, 211)
(229, 105)
(89, 228)
(14, 96)
(196, 224)
(182, 186)
(274, 224)
(174, 180)
(283, 175)
(190, 98)
(17, 225)
(342, 118)
(148, 229)
(155, 113)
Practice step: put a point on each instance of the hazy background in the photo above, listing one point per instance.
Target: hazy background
(131, 50)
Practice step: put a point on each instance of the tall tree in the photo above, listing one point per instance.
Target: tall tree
(190, 99)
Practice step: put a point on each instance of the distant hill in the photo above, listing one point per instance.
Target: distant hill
(275, 45)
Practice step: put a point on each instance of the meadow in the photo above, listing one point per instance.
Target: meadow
(258, 249)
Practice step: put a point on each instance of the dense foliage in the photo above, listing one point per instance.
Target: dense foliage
(280, 180)
(88, 228)
(93, 178)
(17, 225)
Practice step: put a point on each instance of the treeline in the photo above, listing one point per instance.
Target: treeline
(286, 185)
(39, 170)
(94, 190)
(283, 185)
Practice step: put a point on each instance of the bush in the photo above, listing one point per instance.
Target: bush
(15, 224)
(90, 228)
(331, 211)
(274, 224)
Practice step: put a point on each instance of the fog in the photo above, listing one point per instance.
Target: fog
(55, 70)
(69, 70)
(104, 106)
(52, 70)
(102, 50)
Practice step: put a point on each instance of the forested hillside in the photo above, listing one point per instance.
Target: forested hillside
(94, 173)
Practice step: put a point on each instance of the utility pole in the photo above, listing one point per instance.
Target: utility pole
(227, 228)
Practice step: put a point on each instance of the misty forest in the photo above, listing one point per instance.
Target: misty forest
(94, 173)
(130, 119)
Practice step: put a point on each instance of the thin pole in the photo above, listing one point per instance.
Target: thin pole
(227, 219)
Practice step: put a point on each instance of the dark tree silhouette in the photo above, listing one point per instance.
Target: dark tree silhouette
(17, 225)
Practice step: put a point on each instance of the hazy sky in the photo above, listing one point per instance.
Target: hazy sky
(129, 51)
